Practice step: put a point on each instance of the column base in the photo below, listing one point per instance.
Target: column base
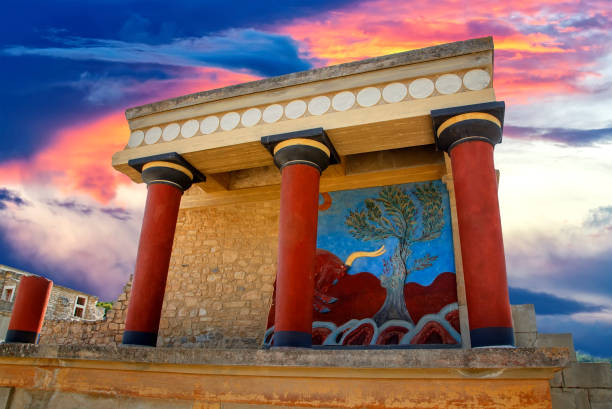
(294, 339)
(24, 337)
(147, 339)
(492, 337)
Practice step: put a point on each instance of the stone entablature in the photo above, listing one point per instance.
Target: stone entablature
(375, 105)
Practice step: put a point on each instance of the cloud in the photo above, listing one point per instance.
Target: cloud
(9, 197)
(600, 217)
(72, 239)
(536, 54)
(549, 304)
(567, 136)
(242, 49)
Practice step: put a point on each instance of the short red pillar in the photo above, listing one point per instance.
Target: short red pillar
(29, 310)
(301, 162)
(166, 183)
(469, 134)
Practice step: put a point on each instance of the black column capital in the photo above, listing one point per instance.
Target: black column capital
(456, 125)
(309, 147)
(167, 168)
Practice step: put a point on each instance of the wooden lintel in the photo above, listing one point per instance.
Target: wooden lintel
(328, 184)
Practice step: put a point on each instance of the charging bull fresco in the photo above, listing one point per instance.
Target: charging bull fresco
(385, 268)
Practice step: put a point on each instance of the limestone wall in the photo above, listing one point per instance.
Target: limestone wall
(221, 276)
(105, 331)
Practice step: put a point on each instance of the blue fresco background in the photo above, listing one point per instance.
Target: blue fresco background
(333, 235)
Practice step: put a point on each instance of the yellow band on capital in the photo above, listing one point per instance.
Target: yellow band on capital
(301, 141)
(168, 165)
(465, 117)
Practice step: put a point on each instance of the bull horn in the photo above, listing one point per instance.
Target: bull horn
(357, 254)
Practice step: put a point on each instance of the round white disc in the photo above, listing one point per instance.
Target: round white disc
(136, 139)
(153, 135)
(171, 132)
(230, 120)
(343, 101)
(250, 117)
(295, 109)
(190, 128)
(394, 92)
(421, 88)
(209, 125)
(475, 80)
(448, 84)
(319, 105)
(368, 96)
(272, 113)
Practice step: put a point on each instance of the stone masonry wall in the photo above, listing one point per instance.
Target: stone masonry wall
(221, 276)
(105, 331)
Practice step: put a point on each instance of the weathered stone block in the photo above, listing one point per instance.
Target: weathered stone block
(154, 404)
(569, 398)
(524, 318)
(600, 398)
(557, 380)
(587, 375)
(525, 339)
(5, 395)
(557, 340)
(68, 400)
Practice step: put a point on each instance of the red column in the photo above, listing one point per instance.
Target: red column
(482, 247)
(301, 157)
(29, 309)
(469, 134)
(166, 183)
(297, 239)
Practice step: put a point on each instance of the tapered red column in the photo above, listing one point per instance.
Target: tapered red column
(469, 134)
(29, 310)
(166, 183)
(301, 162)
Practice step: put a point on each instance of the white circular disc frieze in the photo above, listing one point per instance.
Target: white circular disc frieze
(394, 92)
(343, 101)
(171, 132)
(421, 88)
(319, 105)
(209, 125)
(136, 139)
(272, 113)
(251, 116)
(368, 97)
(448, 84)
(295, 109)
(153, 135)
(230, 120)
(190, 128)
(475, 80)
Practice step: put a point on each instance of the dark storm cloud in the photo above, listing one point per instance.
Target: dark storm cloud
(9, 197)
(72, 205)
(567, 136)
(116, 213)
(549, 304)
(256, 51)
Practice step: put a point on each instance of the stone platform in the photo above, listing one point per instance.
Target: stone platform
(128, 377)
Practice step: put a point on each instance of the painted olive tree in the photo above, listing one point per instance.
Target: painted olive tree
(393, 214)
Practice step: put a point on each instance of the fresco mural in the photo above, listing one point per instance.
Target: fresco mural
(385, 268)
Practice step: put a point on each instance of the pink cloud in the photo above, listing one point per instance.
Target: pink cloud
(78, 158)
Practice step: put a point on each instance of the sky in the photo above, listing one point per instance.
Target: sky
(69, 69)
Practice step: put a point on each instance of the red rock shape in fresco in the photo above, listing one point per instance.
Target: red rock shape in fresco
(391, 335)
(433, 333)
(422, 300)
(362, 335)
